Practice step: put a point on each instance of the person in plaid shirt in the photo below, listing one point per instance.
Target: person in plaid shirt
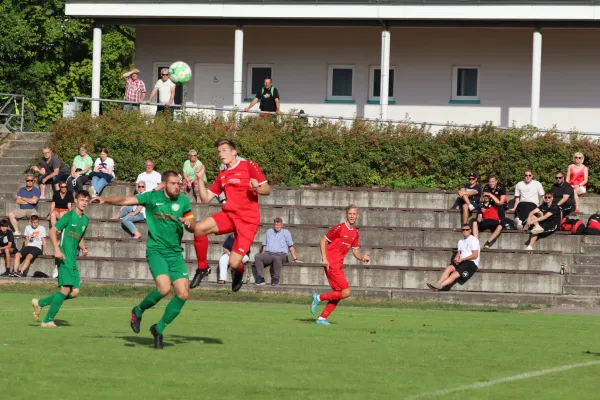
(135, 90)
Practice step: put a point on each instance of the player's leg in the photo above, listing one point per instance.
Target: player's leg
(160, 271)
(245, 232)
(341, 290)
(55, 302)
(201, 249)
(219, 223)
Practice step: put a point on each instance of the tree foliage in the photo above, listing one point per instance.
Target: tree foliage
(47, 56)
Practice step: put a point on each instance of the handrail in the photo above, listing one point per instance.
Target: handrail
(328, 117)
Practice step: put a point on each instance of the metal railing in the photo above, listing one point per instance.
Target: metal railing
(182, 109)
(9, 114)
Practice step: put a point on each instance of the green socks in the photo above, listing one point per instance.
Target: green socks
(149, 302)
(46, 300)
(55, 305)
(171, 312)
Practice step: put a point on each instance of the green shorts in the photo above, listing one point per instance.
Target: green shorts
(68, 274)
(171, 264)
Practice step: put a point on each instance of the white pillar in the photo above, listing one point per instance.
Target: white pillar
(96, 57)
(536, 77)
(385, 74)
(238, 65)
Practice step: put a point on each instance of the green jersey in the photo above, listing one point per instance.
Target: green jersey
(165, 230)
(73, 229)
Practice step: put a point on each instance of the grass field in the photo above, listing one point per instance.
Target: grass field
(232, 350)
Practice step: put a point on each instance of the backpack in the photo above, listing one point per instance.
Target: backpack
(262, 91)
(593, 225)
(575, 226)
(509, 224)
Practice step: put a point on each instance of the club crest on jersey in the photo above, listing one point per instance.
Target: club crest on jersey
(175, 207)
(233, 181)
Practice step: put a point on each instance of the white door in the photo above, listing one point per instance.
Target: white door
(213, 84)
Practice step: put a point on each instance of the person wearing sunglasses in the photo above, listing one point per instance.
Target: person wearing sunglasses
(130, 214)
(468, 197)
(61, 203)
(27, 198)
(527, 198)
(545, 220)
(564, 194)
(577, 177)
(465, 262)
(166, 91)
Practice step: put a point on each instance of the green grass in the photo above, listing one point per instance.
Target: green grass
(249, 350)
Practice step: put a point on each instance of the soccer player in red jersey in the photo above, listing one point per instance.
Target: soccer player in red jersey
(242, 182)
(334, 247)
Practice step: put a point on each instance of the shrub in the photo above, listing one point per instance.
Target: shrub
(364, 154)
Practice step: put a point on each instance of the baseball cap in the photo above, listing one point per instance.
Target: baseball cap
(473, 175)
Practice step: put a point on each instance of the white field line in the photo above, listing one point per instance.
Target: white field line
(513, 378)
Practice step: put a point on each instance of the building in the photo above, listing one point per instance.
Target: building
(462, 61)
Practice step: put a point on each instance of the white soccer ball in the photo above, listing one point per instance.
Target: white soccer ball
(180, 72)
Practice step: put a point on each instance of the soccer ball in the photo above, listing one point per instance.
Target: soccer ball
(180, 72)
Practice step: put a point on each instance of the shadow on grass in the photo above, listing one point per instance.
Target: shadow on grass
(306, 320)
(59, 322)
(591, 353)
(168, 341)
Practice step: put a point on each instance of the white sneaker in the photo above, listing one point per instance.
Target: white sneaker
(50, 324)
(471, 207)
(17, 233)
(529, 248)
(55, 272)
(92, 191)
(537, 230)
(518, 223)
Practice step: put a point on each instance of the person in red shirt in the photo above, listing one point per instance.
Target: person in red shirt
(488, 219)
(242, 182)
(334, 247)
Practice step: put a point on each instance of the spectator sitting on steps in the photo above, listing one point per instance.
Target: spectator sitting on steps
(27, 198)
(544, 220)
(104, 173)
(130, 214)
(80, 171)
(468, 197)
(34, 245)
(527, 198)
(497, 195)
(564, 196)
(577, 177)
(465, 263)
(51, 170)
(61, 203)
(8, 246)
(190, 181)
(152, 178)
(488, 219)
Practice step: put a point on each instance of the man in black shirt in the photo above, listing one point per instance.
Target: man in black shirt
(564, 196)
(545, 220)
(498, 195)
(7, 245)
(468, 197)
(269, 99)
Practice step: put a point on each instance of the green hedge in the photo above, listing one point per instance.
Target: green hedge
(292, 152)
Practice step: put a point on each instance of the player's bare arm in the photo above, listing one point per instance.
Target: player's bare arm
(359, 256)
(205, 195)
(83, 247)
(117, 200)
(54, 239)
(264, 189)
(323, 245)
(189, 224)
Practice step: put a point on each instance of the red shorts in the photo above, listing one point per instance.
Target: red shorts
(337, 278)
(245, 231)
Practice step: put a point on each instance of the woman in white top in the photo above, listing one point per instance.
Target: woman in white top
(103, 173)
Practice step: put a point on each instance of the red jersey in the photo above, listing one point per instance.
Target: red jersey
(235, 182)
(341, 239)
(490, 212)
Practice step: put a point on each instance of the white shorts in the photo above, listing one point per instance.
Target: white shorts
(582, 188)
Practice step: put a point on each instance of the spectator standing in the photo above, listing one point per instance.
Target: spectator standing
(268, 97)
(190, 181)
(61, 203)
(563, 194)
(274, 252)
(465, 262)
(34, 245)
(545, 220)
(166, 91)
(27, 198)
(80, 170)
(135, 90)
(224, 259)
(468, 197)
(152, 178)
(51, 170)
(577, 177)
(497, 195)
(130, 214)
(488, 219)
(8, 246)
(104, 173)
(527, 198)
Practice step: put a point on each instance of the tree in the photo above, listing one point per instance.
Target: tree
(47, 56)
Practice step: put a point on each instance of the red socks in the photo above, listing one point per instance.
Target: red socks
(331, 305)
(201, 247)
(331, 296)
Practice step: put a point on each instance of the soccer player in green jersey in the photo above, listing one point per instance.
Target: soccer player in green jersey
(73, 226)
(166, 214)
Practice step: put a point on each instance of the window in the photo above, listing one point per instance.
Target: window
(340, 82)
(256, 77)
(178, 88)
(465, 83)
(375, 79)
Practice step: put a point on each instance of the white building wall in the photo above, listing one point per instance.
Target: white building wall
(423, 58)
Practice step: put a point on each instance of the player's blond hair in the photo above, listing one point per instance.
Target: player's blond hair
(351, 206)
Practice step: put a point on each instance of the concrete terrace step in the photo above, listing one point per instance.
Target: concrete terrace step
(25, 154)
(581, 269)
(14, 179)
(573, 279)
(582, 290)
(31, 136)
(312, 275)
(15, 161)
(27, 144)
(13, 170)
